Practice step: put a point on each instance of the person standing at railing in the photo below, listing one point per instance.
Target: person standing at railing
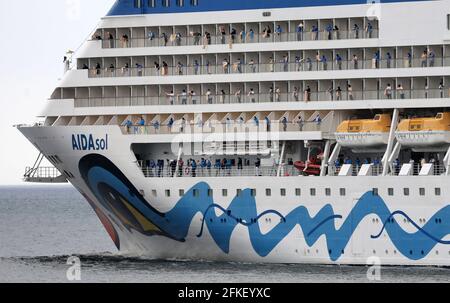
(112, 69)
(339, 61)
(180, 68)
(242, 35)
(350, 92)
(426, 90)
(300, 30)
(356, 31)
(178, 38)
(271, 64)
(165, 68)
(238, 66)
(202, 166)
(240, 166)
(164, 38)
(208, 67)
(271, 94)
(330, 91)
(251, 35)
(223, 34)
(110, 38)
(157, 68)
(183, 97)
(233, 34)
(285, 62)
(209, 97)
(401, 91)
(376, 60)
(171, 97)
(256, 121)
(369, 30)
(296, 94)
(225, 66)
(217, 166)
(324, 61)
(180, 167)
(431, 58)
(156, 125)
(388, 91)
(329, 30)
(388, 59)
(441, 89)
(300, 123)
(307, 94)
(196, 37)
(336, 32)
(193, 97)
(238, 95)
(309, 64)
(257, 167)
(223, 95)
(139, 68)
(338, 94)
(124, 40)
(141, 125)
(267, 32)
(98, 69)
(277, 94)
(267, 120)
(229, 165)
(151, 36)
(251, 95)
(315, 32)
(409, 60)
(355, 61)
(252, 66)
(196, 67)
(424, 59)
(284, 122)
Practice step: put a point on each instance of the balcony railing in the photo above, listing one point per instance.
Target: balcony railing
(261, 98)
(227, 39)
(216, 172)
(156, 128)
(248, 68)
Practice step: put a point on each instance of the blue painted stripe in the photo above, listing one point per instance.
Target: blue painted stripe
(127, 7)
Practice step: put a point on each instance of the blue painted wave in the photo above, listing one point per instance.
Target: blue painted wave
(243, 211)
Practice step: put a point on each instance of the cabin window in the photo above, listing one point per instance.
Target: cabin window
(180, 2)
(196, 193)
(151, 3)
(154, 193)
(437, 191)
(238, 192)
(406, 191)
(312, 192)
(390, 191)
(253, 192)
(448, 21)
(225, 192)
(168, 193)
(327, 191)
(268, 192)
(181, 192)
(342, 191)
(298, 192)
(138, 3)
(422, 191)
(210, 192)
(165, 3)
(283, 192)
(194, 2)
(375, 191)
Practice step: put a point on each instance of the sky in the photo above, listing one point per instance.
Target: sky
(35, 36)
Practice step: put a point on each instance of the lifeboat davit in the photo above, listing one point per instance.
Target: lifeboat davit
(311, 167)
(364, 133)
(425, 132)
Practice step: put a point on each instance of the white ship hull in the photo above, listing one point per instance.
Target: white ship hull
(346, 225)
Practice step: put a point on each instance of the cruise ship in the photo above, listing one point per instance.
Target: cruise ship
(263, 131)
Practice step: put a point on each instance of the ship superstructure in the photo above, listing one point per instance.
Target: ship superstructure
(262, 131)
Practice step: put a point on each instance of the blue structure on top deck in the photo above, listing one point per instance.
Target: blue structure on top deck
(138, 7)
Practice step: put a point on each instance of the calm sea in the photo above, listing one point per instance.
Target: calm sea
(40, 227)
